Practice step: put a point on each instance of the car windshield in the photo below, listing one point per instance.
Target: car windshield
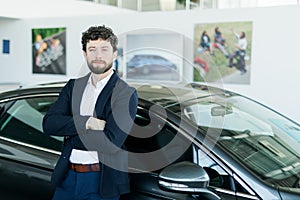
(265, 142)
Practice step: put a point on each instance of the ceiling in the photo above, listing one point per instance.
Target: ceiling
(24, 9)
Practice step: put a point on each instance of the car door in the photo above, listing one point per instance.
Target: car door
(27, 156)
(153, 133)
(223, 181)
(145, 185)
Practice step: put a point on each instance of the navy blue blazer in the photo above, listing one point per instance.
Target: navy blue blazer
(117, 105)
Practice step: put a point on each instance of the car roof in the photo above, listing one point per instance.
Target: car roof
(162, 93)
(169, 94)
(53, 87)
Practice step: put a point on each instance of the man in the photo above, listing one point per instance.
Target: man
(94, 114)
(241, 52)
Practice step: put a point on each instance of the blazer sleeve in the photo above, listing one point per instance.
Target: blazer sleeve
(59, 120)
(118, 123)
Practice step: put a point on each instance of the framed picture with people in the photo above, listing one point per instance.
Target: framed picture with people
(222, 52)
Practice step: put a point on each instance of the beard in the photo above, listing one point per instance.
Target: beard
(98, 70)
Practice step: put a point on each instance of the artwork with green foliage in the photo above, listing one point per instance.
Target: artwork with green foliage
(49, 50)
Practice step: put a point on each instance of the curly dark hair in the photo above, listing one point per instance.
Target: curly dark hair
(99, 32)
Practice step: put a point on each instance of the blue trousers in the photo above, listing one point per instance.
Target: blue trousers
(80, 186)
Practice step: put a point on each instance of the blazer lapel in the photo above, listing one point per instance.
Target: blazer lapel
(105, 95)
(78, 89)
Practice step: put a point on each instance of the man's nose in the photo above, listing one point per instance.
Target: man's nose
(99, 54)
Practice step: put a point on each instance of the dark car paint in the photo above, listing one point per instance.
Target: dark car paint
(24, 180)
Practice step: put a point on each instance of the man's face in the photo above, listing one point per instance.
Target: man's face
(99, 56)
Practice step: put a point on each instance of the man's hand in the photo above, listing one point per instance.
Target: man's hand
(95, 124)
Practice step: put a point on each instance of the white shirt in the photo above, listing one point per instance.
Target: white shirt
(242, 42)
(87, 107)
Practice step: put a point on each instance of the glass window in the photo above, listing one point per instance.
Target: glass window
(129, 4)
(150, 5)
(22, 122)
(265, 142)
(157, 137)
(219, 178)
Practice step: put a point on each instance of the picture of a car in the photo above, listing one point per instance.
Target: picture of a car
(197, 142)
(149, 63)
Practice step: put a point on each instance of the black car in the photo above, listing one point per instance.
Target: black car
(188, 142)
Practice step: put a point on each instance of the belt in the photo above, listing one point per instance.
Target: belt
(85, 168)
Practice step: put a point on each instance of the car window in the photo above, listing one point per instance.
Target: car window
(162, 139)
(22, 122)
(265, 142)
(220, 180)
(227, 188)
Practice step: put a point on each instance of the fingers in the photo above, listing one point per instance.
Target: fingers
(95, 124)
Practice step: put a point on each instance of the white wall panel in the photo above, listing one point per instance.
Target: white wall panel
(275, 66)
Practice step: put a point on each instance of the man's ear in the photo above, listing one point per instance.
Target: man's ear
(84, 54)
(115, 55)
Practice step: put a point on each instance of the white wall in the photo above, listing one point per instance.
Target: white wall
(275, 62)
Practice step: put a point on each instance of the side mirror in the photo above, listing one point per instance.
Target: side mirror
(186, 177)
(215, 179)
